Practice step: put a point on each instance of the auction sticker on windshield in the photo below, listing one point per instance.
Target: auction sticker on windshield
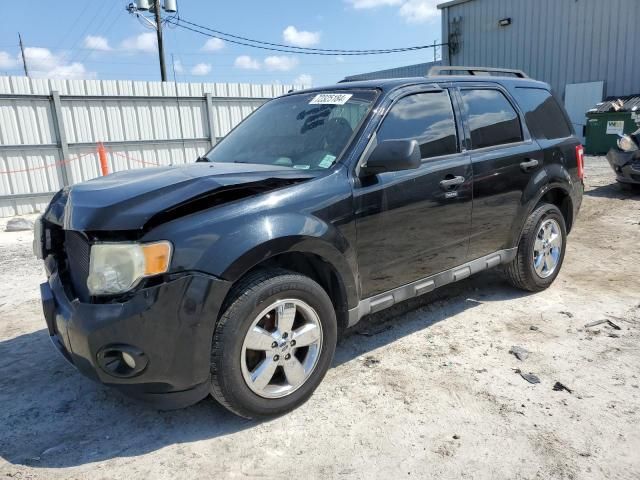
(331, 99)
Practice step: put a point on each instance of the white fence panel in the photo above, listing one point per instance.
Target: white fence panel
(48, 140)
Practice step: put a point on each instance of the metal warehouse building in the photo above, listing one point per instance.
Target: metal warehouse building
(586, 49)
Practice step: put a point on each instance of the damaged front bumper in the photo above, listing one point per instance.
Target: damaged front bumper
(154, 346)
(626, 165)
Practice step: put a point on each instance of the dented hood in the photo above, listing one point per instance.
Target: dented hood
(128, 200)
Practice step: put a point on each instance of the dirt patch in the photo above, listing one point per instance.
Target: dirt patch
(427, 389)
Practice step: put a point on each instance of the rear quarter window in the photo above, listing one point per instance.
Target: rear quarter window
(543, 115)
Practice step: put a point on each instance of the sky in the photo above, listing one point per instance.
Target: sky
(99, 39)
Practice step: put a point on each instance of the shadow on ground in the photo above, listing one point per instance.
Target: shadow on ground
(51, 416)
(615, 190)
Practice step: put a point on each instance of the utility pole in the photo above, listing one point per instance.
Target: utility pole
(24, 60)
(163, 70)
(154, 6)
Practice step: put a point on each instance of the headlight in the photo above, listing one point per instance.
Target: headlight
(626, 144)
(118, 267)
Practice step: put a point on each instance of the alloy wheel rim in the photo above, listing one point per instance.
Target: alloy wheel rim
(281, 348)
(547, 248)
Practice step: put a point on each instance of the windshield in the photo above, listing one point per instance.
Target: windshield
(305, 131)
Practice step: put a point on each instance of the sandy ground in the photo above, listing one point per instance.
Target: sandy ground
(426, 390)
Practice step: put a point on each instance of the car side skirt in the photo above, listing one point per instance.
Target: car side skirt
(385, 300)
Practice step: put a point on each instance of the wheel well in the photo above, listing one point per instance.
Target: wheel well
(562, 200)
(316, 268)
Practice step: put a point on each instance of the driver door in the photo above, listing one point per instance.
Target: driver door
(409, 225)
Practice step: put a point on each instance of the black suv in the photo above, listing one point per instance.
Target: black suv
(234, 275)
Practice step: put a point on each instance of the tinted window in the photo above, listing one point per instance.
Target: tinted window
(492, 119)
(427, 117)
(543, 115)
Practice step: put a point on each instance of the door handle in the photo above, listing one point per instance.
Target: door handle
(529, 165)
(451, 182)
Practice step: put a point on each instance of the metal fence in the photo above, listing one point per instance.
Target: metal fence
(49, 129)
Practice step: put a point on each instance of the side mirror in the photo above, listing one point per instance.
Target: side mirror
(393, 156)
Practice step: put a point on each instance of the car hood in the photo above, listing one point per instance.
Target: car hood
(128, 200)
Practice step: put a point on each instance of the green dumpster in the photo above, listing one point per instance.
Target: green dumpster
(604, 124)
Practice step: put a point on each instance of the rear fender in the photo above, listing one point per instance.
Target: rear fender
(553, 176)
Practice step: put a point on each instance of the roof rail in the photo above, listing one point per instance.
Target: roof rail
(477, 71)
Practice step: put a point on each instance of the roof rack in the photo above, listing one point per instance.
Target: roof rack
(475, 71)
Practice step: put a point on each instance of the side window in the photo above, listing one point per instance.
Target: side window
(492, 119)
(426, 117)
(543, 115)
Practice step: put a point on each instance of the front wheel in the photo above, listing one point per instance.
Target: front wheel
(273, 344)
(540, 251)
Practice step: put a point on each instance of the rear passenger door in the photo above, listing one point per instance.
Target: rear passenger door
(504, 158)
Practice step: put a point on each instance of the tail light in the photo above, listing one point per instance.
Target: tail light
(580, 160)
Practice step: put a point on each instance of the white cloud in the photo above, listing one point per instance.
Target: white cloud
(145, 42)
(361, 4)
(94, 42)
(247, 63)
(43, 63)
(413, 11)
(7, 61)
(300, 38)
(304, 79)
(213, 45)
(419, 11)
(281, 63)
(201, 69)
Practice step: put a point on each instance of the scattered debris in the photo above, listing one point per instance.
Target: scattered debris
(620, 318)
(529, 377)
(568, 314)
(534, 328)
(456, 437)
(613, 325)
(600, 322)
(370, 361)
(559, 387)
(482, 370)
(375, 331)
(19, 224)
(520, 353)
(614, 335)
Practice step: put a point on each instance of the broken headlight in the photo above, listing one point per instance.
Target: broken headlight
(119, 267)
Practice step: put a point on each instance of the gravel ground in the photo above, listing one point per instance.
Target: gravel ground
(426, 390)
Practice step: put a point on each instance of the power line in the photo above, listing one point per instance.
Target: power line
(180, 22)
(382, 50)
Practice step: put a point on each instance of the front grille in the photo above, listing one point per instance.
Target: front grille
(77, 251)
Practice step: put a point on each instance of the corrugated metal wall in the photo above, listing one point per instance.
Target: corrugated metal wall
(417, 70)
(557, 41)
(49, 129)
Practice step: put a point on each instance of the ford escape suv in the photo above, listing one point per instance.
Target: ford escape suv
(234, 275)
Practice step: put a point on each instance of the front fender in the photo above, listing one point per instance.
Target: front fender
(231, 250)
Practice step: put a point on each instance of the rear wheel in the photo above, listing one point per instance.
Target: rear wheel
(540, 251)
(273, 344)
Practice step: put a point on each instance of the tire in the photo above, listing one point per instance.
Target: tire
(234, 363)
(522, 272)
